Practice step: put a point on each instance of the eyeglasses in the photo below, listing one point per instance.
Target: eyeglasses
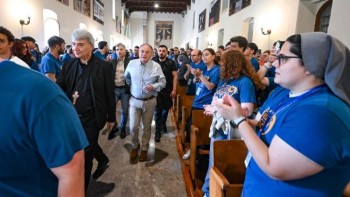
(283, 58)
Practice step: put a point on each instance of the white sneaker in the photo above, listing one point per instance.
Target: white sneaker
(187, 155)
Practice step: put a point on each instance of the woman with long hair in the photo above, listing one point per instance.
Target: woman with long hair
(21, 50)
(238, 80)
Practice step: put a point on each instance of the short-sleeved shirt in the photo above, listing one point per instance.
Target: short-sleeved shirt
(168, 66)
(242, 89)
(318, 127)
(50, 64)
(191, 82)
(255, 64)
(39, 130)
(204, 96)
(98, 54)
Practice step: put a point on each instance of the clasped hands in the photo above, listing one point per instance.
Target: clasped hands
(227, 107)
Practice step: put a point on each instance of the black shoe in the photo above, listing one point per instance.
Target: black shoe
(157, 137)
(113, 133)
(101, 168)
(165, 130)
(122, 134)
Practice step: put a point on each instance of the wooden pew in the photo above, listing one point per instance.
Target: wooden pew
(186, 111)
(228, 172)
(199, 136)
(181, 92)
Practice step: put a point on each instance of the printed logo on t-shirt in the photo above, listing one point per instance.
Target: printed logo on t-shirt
(230, 90)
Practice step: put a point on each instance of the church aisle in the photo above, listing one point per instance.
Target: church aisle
(160, 176)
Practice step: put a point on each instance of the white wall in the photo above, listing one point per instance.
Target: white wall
(340, 21)
(136, 30)
(177, 28)
(269, 14)
(284, 18)
(68, 18)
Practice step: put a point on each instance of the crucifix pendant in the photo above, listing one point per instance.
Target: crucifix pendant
(75, 97)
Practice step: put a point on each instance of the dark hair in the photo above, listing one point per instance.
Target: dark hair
(28, 38)
(163, 46)
(242, 41)
(9, 35)
(253, 47)
(55, 40)
(102, 44)
(221, 47)
(211, 51)
(295, 47)
(17, 50)
(114, 48)
(280, 43)
(229, 43)
(182, 58)
(234, 64)
(136, 47)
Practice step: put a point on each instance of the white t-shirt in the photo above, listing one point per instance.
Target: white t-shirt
(18, 61)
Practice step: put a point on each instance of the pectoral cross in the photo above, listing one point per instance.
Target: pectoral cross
(75, 97)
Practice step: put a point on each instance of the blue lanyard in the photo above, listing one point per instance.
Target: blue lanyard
(283, 105)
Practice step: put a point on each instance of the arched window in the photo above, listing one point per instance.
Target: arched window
(322, 17)
(51, 25)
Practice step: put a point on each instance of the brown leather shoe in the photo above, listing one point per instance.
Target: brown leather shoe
(143, 156)
(134, 153)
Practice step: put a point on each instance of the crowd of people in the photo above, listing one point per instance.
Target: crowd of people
(289, 104)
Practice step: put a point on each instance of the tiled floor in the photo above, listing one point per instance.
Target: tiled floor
(160, 175)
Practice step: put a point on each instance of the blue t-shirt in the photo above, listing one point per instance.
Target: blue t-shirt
(191, 83)
(203, 95)
(39, 130)
(98, 54)
(242, 89)
(255, 64)
(114, 56)
(49, 64)
(66, 57)
(317, 126)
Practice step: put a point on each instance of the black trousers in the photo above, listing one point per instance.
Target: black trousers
(164, 103)
(93, 150)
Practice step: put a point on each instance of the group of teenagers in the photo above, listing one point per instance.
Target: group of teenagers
(298, 142)
(299, 139)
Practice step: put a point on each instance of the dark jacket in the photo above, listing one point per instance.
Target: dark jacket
(102, 87)
(114, 65)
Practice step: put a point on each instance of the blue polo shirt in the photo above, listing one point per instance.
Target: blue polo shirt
(98, 54)
(50, 64)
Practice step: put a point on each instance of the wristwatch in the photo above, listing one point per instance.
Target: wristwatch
(236, 122)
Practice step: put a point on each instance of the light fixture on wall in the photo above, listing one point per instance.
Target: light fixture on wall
(156, 5)
(268, 32)
(23, 22)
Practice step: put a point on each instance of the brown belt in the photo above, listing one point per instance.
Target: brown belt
(145, 99)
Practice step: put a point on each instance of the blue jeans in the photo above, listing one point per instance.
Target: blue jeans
(124, 98)
(218, 135)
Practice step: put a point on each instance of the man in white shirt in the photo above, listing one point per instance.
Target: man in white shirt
(145, 78)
